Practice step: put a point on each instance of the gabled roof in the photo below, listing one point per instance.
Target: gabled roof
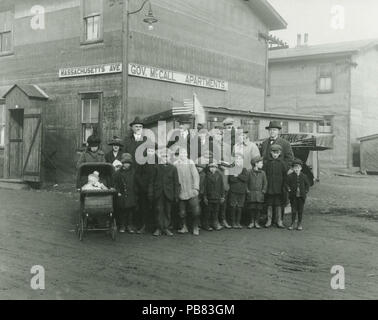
(323, 50)
(265, 11)
(31, 90)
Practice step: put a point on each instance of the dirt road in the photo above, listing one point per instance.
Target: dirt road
(341, 228)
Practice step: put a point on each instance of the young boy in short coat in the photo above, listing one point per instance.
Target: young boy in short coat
(165, 193)
(124, 183)
(275, 170)
(298, 186)
(257, 187)
(238, 190)
(213, 197)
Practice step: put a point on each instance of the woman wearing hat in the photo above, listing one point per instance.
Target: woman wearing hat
(93, 152)
(115, 153)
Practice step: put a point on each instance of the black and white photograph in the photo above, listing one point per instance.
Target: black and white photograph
(208, 151)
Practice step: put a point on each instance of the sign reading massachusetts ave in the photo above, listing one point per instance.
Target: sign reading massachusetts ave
(138, 70)
(90, 70)
(148, 72)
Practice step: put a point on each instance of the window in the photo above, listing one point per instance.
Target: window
(2, 125)
(6, 22)
(325, 79)
(92, 21)
(285, 126)
(90, 116)
(306, 127)
(325, 126)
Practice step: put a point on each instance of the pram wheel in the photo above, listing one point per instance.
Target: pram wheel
(113, 229)
(80, 231)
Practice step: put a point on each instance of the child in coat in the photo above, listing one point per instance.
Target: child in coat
(201, 168)
(165, 193)
(298, 187)
(213, 197)
(275, 170)
(189, 191)
(238, 190)
(257, 186)
(124, 183)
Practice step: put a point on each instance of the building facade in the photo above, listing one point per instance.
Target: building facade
(336, 81)
(73, 51)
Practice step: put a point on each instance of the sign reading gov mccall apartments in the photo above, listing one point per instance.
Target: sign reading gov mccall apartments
(148, 72)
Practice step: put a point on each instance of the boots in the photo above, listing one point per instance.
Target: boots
(269, 214)
(225, 224)
(252, 224)
(279, 217)
(232, 217)
(195, 226)
(257, 219)
(238, 218)
(184, 228)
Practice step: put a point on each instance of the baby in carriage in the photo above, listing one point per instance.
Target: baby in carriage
(94, 182)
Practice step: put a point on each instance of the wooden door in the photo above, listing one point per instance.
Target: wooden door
(32, 148)
(15, 151)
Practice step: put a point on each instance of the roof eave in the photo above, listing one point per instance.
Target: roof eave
(314, 56)
(268, 14)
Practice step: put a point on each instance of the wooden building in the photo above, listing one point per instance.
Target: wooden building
(72, 50)
(369, 154)
(293, 126)
(336, 81)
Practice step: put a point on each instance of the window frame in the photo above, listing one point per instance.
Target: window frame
(89, 96)
(327, 119)
(3, 124)
(305, 123)
(84, 17)
(10, 30)
(325, 71)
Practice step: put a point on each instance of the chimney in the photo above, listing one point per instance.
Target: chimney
(305, 39)
(299, 40)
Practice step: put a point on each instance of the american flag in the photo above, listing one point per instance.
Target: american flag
(186, 108)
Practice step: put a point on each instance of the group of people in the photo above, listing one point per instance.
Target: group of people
(213, 180)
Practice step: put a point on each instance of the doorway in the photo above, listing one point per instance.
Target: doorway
(15, 155)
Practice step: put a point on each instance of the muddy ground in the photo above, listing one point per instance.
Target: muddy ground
(340, 228)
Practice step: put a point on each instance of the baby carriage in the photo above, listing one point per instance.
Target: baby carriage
(96, 205)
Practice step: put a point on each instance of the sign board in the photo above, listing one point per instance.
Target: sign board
(154, 73)
(90, 70)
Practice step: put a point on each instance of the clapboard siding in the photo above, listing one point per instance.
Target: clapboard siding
(293, 90)
(213, 38)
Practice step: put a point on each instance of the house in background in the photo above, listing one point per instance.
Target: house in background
(337, 81)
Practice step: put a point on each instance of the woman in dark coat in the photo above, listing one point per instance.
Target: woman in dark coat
(116, 152)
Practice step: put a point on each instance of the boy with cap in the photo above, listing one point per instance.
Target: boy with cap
(124, 183)
(238, 189)
(257, 187)
(275, 170)
(298, 187)
(165, 192)
(213, 197)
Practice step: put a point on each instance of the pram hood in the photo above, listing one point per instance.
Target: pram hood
(106, 171)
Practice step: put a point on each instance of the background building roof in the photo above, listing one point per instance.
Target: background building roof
(31, 90)
(328, 49)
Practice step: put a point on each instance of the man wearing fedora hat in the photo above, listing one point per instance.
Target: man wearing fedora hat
(136, 138)
(286, 155)
(274, 129)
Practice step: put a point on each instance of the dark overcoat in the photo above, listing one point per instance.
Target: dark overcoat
(214, 187)
(124, 183)
(276, 172)
(166, 181)
(257, 186)
(287, 154)
(239, 184)
(293, 182)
